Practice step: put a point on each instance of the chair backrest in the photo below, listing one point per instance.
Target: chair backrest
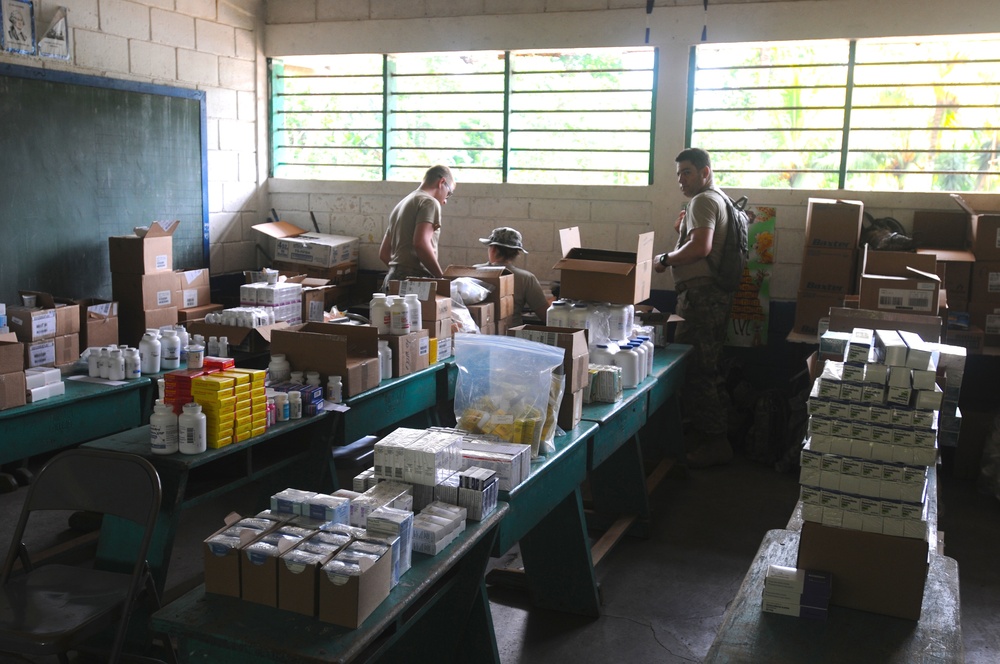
(111, 483)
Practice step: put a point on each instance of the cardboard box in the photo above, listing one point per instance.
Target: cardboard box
(410, 352)
(985, 282)
(601, 275)
(972, 340)
(833, 224)
(937, 229)
(132, 323)
(344, 274)
(55, 352)
(984, 216)
(144, 255)
(145, 291)
(482, 314)
(499, 278)
(570, 410)
(294, 245)
(663, 324)
(222, 564)
(31, 324)
(810, 306)
(317, 299)
(830, 271)
(11, 353)
(873, 572)
(438, 328)
(192, 314)
(845, 320)
(243, 339)
(348, 602)
(98, 322)
(12, 390)
(193, 289)
(956, 277)
(434, 296)
(576, 361)
(349, 351)
(899, 281)
(986, 316)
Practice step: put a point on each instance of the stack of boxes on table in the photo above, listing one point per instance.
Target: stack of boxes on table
(874, 425)
(336, 557)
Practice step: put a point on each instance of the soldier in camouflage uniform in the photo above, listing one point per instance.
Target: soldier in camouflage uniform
(702, 227)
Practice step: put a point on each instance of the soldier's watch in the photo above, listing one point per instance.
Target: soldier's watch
(663, 259)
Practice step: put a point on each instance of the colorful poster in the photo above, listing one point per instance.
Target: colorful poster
(749, 315)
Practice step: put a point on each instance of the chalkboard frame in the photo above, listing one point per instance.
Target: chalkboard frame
(61, 77)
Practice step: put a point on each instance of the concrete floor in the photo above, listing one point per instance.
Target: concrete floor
(664, 597)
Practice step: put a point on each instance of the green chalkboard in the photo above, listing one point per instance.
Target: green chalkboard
(84, 158)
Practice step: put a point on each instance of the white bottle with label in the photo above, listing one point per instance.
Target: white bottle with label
(295, 405)
(399, 317)
(170, 350)
(384, 359)
(416, 314)
(648, 345)
(637, 346)
(192, 430)
(149, 354)
(628, 360)
(163, 435)
(278, 370)
(94, 363)
(103, 360)
(213, 347)
(223, 346)
(557, 314)
(312, 378)
(618, 325)
(602, 354)
(579, 314)
(334, 390)
(116, 365)
(378, 312)
(281, 404)
(185, 338)
(133, 364)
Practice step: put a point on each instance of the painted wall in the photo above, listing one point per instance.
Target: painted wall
(607, 216)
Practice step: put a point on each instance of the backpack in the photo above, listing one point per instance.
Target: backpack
(735, 250)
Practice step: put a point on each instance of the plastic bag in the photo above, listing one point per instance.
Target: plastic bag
(470, 291)
(460, 315)
(504, 386)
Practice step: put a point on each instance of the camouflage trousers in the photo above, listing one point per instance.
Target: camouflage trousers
(705, 310)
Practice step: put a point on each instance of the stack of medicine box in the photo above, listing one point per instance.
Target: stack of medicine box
(423, 458)
(177, 387)
(437, 526)
(258, 399)
(796, 592)
(511, 461)
(218, 402)
(477, 491)
(43, 383)
(393, 524)
(243, 408)
(872, 436)
(284, 299)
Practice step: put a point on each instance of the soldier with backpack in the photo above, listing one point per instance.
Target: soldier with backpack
(702, 268)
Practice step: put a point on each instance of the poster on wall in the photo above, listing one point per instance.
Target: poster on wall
(55, 42)
(748, 319)
(18, 34)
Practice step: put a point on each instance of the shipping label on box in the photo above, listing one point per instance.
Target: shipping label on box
(32, 324)
(410, 352)
(434, 296)
(576, 361)
(145, 291)
(153, 252)
(985, 281)
(193, 288)
(294, 245)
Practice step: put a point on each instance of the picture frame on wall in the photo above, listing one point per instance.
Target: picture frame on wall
(18, 29)
(54, 42)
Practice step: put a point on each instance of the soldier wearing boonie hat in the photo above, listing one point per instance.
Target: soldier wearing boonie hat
(505, 244)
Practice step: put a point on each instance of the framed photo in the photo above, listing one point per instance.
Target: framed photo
(54, 42)
(18, 27)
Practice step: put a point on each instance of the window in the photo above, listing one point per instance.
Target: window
(909, 115)
(539, 117)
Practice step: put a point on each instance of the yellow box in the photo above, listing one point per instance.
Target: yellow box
(239, 377)
(218, 443)
(258, 430)
(255, 375)
(213, 382)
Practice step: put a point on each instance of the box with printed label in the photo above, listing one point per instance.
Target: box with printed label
(67, 311)
(576, 362)
(826, 270)
(984, 215)
(190, 314)
(132, 323)
(54, 352)
(833, 224)
(986, 282)
(899, 281)
(145, 291)
(153, 252)
(434, 296)
(98, 322)
(31, 324)
(294, 245)
(349, 351)
(193, 288)
(618, 277)
(410, 352)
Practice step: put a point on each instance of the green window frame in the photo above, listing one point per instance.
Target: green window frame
(555, 116)
(916, 114)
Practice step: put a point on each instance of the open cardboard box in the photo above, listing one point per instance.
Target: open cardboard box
(153, 252)
(98, 322)
(984, 217)
(348, 351)
(434, 296)
(576, 361)
(833, 223)
(322, 250)
(51, 317)
(244, 339)
(845, 320)
(618, 277)
(899, 281)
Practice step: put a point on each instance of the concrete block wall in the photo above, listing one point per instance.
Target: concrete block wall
(210, 45)
(608, 217)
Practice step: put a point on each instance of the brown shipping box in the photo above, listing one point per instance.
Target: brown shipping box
(11, 353)
(810, 306)
(132, 323)
(144, 255)
(829, 271)
(349, 351)
(618, 277)
(410, 352)
(52, 317)
(872, 572)
(193, 288)
(985, 282)
(899, 281)
(845, 320)
(833, 224)
(56, 352)
(498, 277)
(434, 296)
(12, 390)
(98, 322)
(570, 410)
(191, 314)
(482, 314)
(986, 316)
(244, 339)
(145, 291)
(984, 215)
(576, 361)
(937, 229)
(222, 565)
(345, 274)
(299, 247)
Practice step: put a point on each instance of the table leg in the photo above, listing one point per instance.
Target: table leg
(618, 487)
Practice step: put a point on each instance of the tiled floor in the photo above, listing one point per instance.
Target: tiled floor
(664, 597)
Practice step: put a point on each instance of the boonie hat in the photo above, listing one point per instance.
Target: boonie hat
(505, 237)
